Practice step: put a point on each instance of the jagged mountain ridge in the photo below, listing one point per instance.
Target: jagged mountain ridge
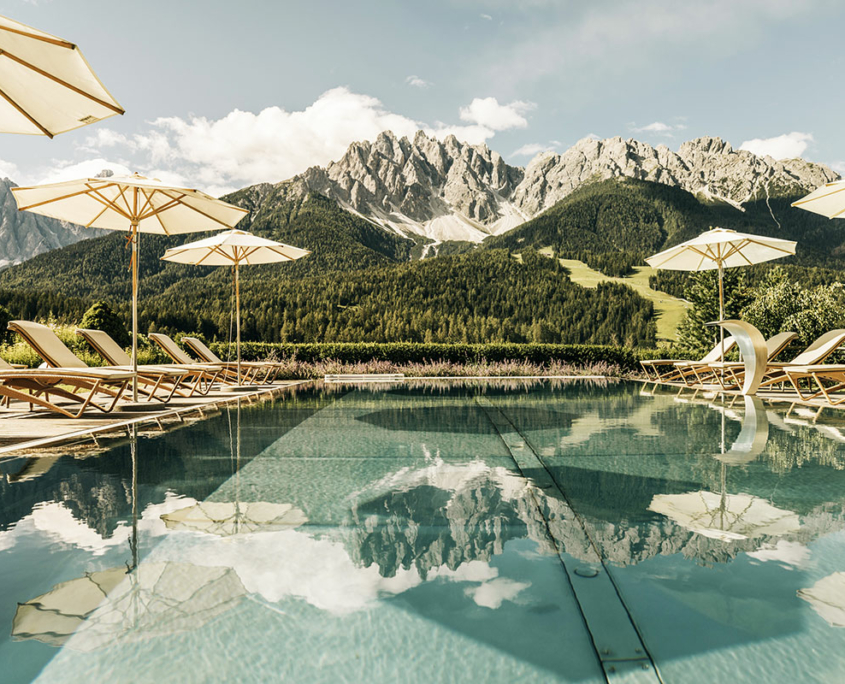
(448, 190)
(433, 190)
(24, 235)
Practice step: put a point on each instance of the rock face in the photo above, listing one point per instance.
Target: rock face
(707, 167)
(442, 190)
(453, 191)
(24, 235)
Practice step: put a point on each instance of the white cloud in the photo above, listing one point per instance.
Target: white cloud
(86, 169)
(417, 82)
(838, 166)
(486, 17)
(8, 170)
(787, 146)
(658, 128)
(489, 113)
(242, 148)
(532, 149)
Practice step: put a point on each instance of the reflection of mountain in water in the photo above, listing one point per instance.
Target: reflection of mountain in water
(443, 515)
(448, 515)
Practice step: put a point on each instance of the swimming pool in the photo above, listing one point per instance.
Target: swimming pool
(574, 531)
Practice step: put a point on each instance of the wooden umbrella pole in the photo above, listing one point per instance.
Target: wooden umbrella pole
(238, 319)
(135, 235)
(721, 313)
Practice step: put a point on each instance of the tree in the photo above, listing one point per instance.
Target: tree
(780, 305)
(702, 291)
(5, 317)
(102, 317)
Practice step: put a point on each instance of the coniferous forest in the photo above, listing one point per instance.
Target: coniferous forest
(362, 283)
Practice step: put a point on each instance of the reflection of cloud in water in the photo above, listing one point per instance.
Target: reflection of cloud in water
(56, 522)
(788, 553)
(827, 596)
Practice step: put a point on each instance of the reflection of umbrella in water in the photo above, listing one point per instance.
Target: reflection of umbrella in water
(135, 601)
(154, 599)
(731, 516)
(827, 596)
(227, 518)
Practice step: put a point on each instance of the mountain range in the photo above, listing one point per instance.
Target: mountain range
(434, 191)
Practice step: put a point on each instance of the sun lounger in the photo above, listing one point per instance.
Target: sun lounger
(730, 373)
(814, 355)
(180, 358)
(35, 386)
(54, 352)
(196, 380)
(677, 368)
(817, 373)
(250, 370)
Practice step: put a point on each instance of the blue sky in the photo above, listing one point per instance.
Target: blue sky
(220, 95)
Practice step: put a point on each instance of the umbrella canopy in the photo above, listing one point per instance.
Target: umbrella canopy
(720, 248)
(827, 200)
(230, 518)
(727, 517)
(130, 203)
(234, 247)
(46, 86)
(155, 599)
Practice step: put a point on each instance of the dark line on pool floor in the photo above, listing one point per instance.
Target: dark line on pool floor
(617, 641)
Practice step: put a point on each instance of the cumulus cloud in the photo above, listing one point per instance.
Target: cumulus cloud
(242, 148)
(787, 146)
(532, 149)
(8, 170)
(417, 82)
(658, 128)
(489, 113)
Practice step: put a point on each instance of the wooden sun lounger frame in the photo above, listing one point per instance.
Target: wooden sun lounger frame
(250, 370)
(679, 369)
(159, 379)
(197, 385)
(40, 383)
(211, 372)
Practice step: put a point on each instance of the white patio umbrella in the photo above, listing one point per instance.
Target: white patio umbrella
(130, 203)
(826, 200)
(720, 248)
(233, 248)
(46, 86)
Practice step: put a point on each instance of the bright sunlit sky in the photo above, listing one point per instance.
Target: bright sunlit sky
(220, 95)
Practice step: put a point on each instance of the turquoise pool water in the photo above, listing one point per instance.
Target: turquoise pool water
(573, 531)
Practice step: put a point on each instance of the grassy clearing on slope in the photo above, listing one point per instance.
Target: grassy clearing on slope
(670, 310)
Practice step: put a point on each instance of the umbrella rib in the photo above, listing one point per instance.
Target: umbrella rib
(25, 113)
(69, 86)
(161, 223)
(55, 199)
(51, 39)
(95, 194)
(202, 213)
(91, 222)
(148, 198)
(771, 246)
(814, 199)
(279, 252)
(164, 207)
(121, 190)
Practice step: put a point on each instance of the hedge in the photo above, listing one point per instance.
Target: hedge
(413, 352)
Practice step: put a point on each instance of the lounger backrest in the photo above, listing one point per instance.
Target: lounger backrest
(173, 350)
(715, 354)
(106, 347)
(5, 365)
(47, 344)
(202, 350)
(819, 350)
(777, 343)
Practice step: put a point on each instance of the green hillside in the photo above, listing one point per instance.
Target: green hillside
(614, 224)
